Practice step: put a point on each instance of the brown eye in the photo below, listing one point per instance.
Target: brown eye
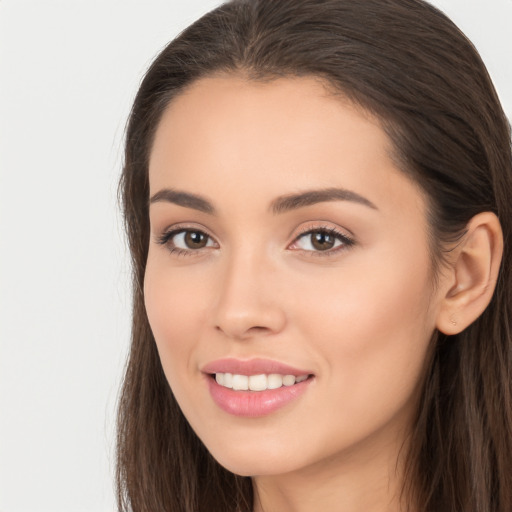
(195, 239)
(322, 241)
(186, 240)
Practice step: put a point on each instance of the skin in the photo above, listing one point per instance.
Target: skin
(358, 317)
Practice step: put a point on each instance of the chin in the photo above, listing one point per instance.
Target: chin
(257, 467)
(256, 460)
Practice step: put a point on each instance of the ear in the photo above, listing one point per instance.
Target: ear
(472, 275)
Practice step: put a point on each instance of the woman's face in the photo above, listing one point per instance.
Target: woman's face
(285, 242)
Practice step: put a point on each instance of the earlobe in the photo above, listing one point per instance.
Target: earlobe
(473, 274)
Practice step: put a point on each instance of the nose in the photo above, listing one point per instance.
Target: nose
(248, 304)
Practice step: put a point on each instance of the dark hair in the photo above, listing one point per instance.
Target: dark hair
(408, 64)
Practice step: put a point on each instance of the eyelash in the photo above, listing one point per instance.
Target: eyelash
(167, 236)
(346, 241)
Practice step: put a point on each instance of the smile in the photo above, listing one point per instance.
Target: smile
(259, 382)
(256, 387)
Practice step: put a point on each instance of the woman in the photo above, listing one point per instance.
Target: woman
(317, 198)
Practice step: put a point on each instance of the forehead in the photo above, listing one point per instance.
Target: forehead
(264, 137)
(281, 111)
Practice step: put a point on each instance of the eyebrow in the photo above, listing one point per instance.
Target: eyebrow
(184, 199)
(310, 197)
(279, 205)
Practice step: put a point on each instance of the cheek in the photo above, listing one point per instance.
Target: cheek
(174, 306)
(379, 293)
(373, 329)
(382, 310)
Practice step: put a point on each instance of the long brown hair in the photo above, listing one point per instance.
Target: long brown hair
(408, 64)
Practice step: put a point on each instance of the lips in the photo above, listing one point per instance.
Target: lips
(252, 367)
(254, 388)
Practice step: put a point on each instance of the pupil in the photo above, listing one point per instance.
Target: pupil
(323, 241)
(195, 239)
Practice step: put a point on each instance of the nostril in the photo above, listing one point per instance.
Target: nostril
(255, 319)
(244, 333)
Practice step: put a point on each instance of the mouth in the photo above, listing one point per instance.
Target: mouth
(257, 387)
(260, 382)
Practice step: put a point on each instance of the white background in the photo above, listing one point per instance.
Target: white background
(68, 72)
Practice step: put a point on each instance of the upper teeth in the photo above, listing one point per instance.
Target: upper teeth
(257, 382)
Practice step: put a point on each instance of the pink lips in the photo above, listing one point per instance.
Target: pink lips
(253, 403)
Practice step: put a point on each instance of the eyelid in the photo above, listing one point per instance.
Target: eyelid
(168, 233)
(183, 226)
(323, 225)
(344, 235)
